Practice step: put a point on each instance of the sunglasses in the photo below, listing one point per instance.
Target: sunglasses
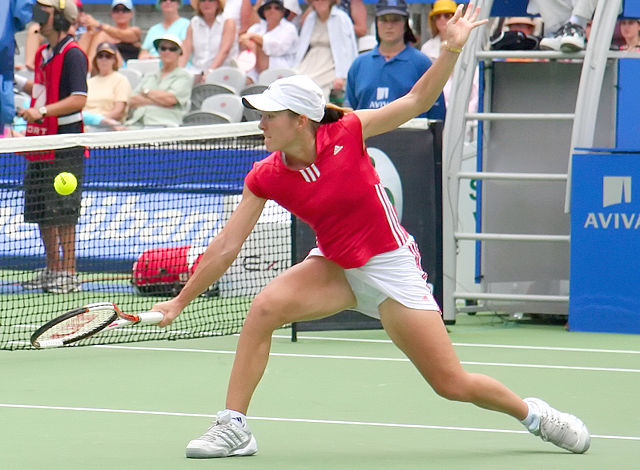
(104, 55)
(168, 48)
(447, 16)
(273, 7)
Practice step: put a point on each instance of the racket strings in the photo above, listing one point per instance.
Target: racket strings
(80, 324)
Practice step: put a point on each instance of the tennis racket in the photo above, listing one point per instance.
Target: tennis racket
(86, 321)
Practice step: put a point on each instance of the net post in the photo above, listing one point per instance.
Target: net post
(294, 224)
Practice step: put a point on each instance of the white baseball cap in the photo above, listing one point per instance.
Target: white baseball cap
(298, 93)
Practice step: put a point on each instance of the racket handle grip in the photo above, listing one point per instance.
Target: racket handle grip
(50, 343)
(150, 318)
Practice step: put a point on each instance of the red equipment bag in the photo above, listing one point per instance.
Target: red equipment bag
(162, 271)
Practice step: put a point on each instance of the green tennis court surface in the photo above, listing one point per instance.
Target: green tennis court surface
(338, 400)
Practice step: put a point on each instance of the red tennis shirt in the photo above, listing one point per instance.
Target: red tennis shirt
(339, 195)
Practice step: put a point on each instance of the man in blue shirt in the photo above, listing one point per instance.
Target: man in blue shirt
(389, 70)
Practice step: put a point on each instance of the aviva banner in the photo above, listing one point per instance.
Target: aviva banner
(605, 242)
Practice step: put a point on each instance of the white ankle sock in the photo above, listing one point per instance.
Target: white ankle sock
(579, 20)
(238, 417)
(532, 421)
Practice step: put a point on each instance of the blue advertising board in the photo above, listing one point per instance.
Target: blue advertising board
(605, 242)
(133, 199)
(115, 227)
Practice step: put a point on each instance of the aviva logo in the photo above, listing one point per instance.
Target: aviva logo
(615, 190)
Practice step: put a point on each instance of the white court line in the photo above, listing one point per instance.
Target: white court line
(295, 420)
(474, 345)
(369, 358)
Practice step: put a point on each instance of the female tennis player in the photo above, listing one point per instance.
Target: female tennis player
(364, 259)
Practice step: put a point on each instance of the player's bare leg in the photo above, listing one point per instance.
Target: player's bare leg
(421, 335)
(314, 288)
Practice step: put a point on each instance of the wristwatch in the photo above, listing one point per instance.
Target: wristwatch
(145, 91)
(43, 110)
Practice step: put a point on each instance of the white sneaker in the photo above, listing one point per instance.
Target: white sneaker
(573, 39)
(62, 283)
(39, 280)
(224, 438)
(562, 429)
(569, 38)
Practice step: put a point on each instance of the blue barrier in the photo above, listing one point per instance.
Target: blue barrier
(605, 246)
(627, 125)
(133, 199)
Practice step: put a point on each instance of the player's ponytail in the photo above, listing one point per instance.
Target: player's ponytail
(333, 113)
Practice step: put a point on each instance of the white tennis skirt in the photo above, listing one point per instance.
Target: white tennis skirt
(395, 274)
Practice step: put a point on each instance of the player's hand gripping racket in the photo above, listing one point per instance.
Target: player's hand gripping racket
(86, 321)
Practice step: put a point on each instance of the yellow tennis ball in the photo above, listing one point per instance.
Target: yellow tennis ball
(65, 183)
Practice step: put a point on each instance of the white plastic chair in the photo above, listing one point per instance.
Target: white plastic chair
(133, 75)
(228, 105)
(144, 66)
(248, 113)
(229, 76)
(200, 118)
(269, 75)
(202, 91)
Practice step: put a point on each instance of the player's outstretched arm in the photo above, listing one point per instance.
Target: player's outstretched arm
(219, 255)
(427, 89)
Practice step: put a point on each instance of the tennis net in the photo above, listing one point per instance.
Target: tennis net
(149, 203)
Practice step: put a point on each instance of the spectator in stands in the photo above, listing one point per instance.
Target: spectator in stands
(34, 39)
(108, 91)
(14, 17)
(162, 98)
(564, 22)
(249, 12)
(519, 35)
(390, 70)
(172, 23)
(356, 11)
(439, 15)
(327, 46)
(273, 40)
(210, 41)
(524, 24)
(59, 92)
(126, 37)
(630, 32)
